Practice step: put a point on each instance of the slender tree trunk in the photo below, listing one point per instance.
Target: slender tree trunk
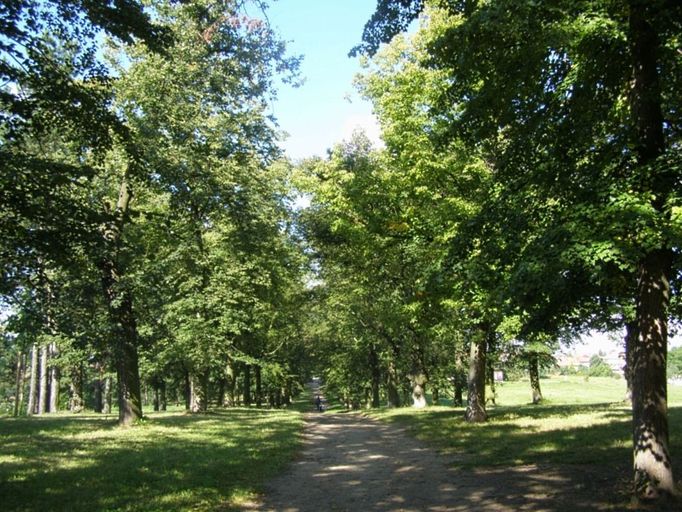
(435, 396)
(259, 398)
(534, 373)
(653, 476)
(42, 396)
(475, 411)
(188, 391)
(460, 378)
(19, 384)
(247, 385)
(163, 400)
(54, 379)
(107, 395)
(33, 382)
(231, 383)
(630, 341)
(376, 376)
(490, 370)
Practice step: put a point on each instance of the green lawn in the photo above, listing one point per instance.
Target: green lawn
(171, 461)
(580, 422)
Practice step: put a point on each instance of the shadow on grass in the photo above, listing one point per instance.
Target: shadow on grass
(170, 462)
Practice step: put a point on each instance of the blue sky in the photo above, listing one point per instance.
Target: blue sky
(319, 113)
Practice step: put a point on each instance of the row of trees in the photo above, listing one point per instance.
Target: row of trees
(146, 219)
(528, 191)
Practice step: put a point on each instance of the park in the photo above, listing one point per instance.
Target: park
(213, 297)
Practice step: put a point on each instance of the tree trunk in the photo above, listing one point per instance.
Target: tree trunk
(653, 476)
(33, 382)
(54, 380)
(107, 395)
(99, 405)
(42, 395)
(259, 398)
(490, 371)
(376, 376)
(534, 373)
(199, 392)
(19, 384)
(475, 411)
(392, 385)
(162, 395)
(460, 378)
(231, 383)
(418, 381)
(435, 396)
(247, 385)
(188, 392)
(119, 302)
(76, 402)
(630, 341)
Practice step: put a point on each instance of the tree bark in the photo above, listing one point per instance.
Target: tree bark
(43, 389)
(54, 379)
(630, 341)
(259, 397)
(475, 411)
(534, 373)
(19, 384)
(418, 381)
(99, 405)
(76, 402)
(247, 385)
(376, 376)
(653, 476)
(460, 378)
(392, 385)
(33, 382)
(107, 395)
(119, 302)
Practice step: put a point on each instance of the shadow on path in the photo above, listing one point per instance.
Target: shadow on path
(353, 463)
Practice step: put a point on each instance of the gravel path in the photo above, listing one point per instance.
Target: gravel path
(353, 463)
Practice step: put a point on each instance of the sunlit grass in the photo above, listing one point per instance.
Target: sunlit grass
(171, 461)
(580, 422)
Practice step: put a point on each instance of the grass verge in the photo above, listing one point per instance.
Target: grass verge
(581, 422)
(170, 462)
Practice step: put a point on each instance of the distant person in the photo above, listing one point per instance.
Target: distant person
(318, 403)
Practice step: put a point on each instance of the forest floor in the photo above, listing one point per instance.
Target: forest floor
(354, 463)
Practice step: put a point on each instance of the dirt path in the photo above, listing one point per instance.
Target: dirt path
(353, 463)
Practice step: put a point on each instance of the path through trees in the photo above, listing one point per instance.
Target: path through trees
(353, 463)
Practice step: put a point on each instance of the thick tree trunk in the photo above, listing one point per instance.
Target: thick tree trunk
(418, 381)
(43, 389)
(475, 411)
(231, 383)
(534, 373)
(199, 384)
(33, 382)
(653, 476)
(119, 302)
(392, 385)
(97, 392)
(76, 402)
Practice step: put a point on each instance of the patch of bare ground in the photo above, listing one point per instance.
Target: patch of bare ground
(353, 463)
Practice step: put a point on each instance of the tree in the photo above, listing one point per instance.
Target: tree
(574, 98)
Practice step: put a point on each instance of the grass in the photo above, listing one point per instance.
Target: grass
(580, 422)
(172, 461)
